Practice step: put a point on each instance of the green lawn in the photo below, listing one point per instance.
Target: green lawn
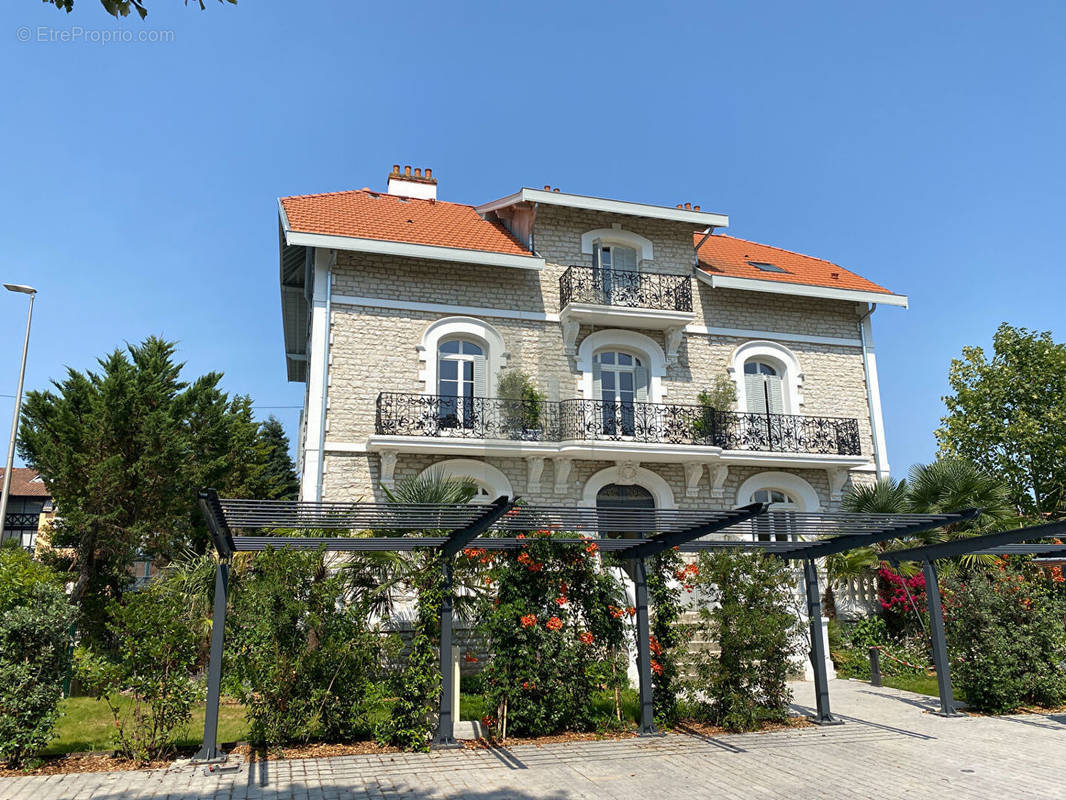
(87, 725)
(920, 684)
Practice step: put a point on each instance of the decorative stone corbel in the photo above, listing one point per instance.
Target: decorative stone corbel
(388, 467)
(627, 472)
(838, 476)
(693, 473)
(535, 466)
(719, 473)
(672, 337)
(570, 331)
(562, 474)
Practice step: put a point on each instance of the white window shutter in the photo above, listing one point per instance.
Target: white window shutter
(597, 253)
(597, 385)
(481, 380)
(754, 394)
(640, 384)
(777, 395)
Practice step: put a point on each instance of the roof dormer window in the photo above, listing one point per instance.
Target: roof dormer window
(766, 266)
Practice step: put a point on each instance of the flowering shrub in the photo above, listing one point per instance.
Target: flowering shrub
(896, 607)
(554, 625)
(1007, 636)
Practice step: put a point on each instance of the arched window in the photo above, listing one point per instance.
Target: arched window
(777, 499)
(778, 526)
(461, 377)
(763, 388)
(615, 496)
(620, 380)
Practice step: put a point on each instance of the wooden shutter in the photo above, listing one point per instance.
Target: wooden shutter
(640, 384)
(481, 379)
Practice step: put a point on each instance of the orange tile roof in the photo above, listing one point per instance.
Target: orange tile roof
(365, 214)
(727, 255)
(24, 483)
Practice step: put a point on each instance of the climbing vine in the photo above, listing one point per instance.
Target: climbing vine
(417, 684)
(668, 576)
(554, 626)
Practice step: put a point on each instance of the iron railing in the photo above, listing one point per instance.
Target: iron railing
(608, 287)
(597, 420)
(466, 417)
(18, 520)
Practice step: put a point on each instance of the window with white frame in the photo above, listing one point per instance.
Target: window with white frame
(763, 388)
(619, 381)
(461, 377)
(608, 256)
(777, 527)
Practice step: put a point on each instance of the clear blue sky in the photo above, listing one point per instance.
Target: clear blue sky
(921, 147)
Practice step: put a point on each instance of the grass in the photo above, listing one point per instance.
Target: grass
(920, 684)
(87, 725)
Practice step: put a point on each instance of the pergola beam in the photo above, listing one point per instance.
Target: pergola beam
(665, 541)
(974, 544)
(843, 543)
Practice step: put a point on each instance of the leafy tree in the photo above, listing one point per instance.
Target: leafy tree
(279, 473)
(1008, 415)
(35, 621)
(123, 451)
(122, 8)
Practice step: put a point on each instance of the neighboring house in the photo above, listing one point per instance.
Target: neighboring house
(29, 507)
(402, 313)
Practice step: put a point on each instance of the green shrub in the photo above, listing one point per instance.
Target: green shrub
(302, 656)
(1007, 637)
(523, 411)
(720, 397)
(554, 627)
(153, 652)
(668, 575)
(754, 624)
(35, 621)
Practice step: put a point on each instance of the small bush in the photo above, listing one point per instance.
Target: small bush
(35, 620)
(745, 683)
(301, 654)
(154, 650)
(1007, 637)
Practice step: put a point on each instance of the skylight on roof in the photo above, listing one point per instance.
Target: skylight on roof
(765, 266)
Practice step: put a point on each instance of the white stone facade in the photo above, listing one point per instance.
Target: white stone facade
(380, 308)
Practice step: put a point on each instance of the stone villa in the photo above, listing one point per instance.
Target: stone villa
(572, 349)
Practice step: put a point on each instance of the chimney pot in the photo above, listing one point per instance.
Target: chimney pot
(395, 169)
(688, 206)
(547, 188)
(429, 172)
(555, 189)
(678, 205)
(407, 170)
(695, 208)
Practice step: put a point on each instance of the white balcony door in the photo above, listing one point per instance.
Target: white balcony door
(461, 371)
(609, 259)
(620, 381)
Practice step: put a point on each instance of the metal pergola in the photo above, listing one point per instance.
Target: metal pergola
(632, 534)
(1021, 541)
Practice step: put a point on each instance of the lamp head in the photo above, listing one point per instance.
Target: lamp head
(18, 287)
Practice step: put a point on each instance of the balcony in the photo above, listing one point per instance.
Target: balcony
(653, 300)
(595, 420)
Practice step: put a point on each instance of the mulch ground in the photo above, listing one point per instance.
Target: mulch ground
(105, 762)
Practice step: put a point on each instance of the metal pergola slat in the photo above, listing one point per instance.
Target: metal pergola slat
(790, 535)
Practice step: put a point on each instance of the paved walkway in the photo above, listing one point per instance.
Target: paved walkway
(887, 748)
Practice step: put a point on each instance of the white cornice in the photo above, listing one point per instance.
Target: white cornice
(801, 289)
(699, 218)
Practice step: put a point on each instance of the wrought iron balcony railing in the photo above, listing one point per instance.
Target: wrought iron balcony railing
(466, 417)
(608, 287)
(596, 420)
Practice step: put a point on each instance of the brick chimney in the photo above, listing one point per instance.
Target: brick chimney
(408, 184)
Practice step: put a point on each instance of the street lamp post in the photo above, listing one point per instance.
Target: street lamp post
(14, 287)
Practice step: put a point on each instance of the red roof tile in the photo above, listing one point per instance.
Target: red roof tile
(24, 483)
(727, 255)
(365, 214)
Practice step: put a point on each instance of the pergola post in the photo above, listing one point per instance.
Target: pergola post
(209, 750)
(647, 709)
(446, 725)
(823, 715)
(940, 647)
